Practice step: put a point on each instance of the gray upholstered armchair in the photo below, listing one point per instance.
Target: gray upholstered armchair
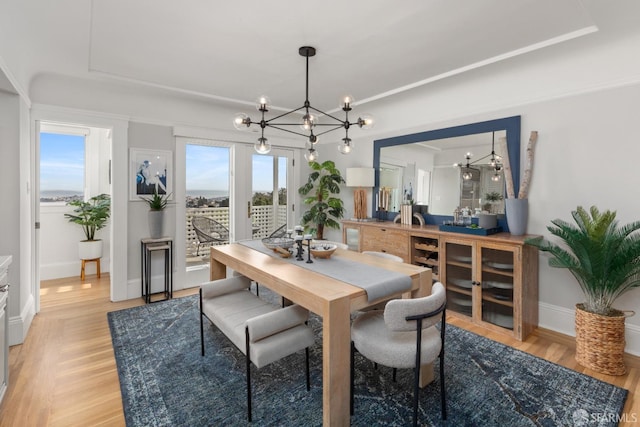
(391, 338)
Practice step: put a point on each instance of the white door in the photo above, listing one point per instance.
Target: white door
(271, 183)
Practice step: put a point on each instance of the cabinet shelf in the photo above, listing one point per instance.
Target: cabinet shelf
(459, 290)
(507, 303)
(426, 261)
(508, 273)
(460, 264)
(425, 247)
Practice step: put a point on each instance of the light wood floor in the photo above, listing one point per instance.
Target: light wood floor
(65, 373)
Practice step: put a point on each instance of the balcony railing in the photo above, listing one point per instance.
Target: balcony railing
(265, 219)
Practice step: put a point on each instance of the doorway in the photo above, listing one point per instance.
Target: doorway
(73, 163)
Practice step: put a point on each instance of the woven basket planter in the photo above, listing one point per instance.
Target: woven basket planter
(600, 341)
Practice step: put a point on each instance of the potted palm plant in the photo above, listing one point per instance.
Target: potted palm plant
(325, 211)
(605, 260)
(92, 215)
(157, 203)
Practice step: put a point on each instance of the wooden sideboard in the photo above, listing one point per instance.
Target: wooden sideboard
(491, 280)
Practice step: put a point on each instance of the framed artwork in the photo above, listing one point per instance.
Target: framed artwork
(150, 171)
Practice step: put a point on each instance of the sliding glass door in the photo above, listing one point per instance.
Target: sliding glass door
(207, 201)
(270, 192)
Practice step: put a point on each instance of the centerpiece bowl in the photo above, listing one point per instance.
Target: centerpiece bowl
(275, 243)
(323, 250)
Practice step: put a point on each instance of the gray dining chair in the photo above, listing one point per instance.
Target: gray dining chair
(262, 331)
(404, 336)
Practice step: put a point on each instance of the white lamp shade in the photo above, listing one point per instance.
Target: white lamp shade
(360, 177)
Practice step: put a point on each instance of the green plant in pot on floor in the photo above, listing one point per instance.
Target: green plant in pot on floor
(325, 211)
(92, 215)
(605, 260)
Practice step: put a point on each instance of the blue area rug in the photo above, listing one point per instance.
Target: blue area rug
(165, 381)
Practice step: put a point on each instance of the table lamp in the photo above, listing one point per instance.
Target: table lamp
(361, 178)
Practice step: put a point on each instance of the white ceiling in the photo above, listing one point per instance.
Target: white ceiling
(232, 52)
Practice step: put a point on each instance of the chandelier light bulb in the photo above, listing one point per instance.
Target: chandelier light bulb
(495, 177)
(262, 146)
(311, 155)
(346, 146)
(347, 102)
(466, 176)
(263, 103)
(366, 121)
(241, 121)
(309, 121)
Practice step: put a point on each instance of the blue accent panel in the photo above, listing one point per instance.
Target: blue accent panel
(512, 126)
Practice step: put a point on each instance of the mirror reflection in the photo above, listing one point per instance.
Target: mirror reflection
(438, 173)
(418, 167)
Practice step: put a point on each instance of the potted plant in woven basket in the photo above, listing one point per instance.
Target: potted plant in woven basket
(605, 260)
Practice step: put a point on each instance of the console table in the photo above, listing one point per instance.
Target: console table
(147, 247)
(490, 280)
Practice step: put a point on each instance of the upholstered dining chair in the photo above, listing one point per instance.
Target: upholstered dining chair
(384, 255)
(263, 331)
(404, 336)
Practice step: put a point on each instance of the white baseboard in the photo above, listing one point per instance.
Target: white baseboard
(19, 325)
(134, 289)
(562, 320)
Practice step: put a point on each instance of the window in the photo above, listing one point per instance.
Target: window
(62, 171)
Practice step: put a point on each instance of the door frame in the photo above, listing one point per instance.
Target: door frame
(119, 126)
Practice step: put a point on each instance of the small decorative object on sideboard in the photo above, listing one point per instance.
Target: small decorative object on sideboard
(605, 260)
(517, 209)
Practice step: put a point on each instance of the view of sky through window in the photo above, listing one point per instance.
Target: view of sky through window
(61, 167)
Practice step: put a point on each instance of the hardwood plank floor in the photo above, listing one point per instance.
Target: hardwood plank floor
(65, 373)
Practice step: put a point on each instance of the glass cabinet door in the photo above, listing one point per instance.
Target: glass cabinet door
(497, 279)
(352, 238)
(459, 277)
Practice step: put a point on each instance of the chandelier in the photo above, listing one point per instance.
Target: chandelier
(309, 123)
(494, 162)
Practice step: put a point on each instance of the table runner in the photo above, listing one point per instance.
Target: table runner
(377, 282)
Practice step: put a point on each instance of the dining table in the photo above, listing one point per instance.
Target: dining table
(330, 298)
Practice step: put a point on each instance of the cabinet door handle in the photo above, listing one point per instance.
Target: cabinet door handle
(383, 229)
(4, 288)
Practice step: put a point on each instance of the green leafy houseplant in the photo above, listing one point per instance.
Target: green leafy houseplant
(92, 215)
(603, 257)
(157, 202)
(325, 211)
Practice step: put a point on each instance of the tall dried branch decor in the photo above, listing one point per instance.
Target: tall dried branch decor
(526, 178)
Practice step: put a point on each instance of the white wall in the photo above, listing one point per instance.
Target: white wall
(14, 213)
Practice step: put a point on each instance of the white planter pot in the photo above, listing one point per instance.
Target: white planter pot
(155, 224)
(90, 249)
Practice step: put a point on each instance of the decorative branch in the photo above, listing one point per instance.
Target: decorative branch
(508, 177)
(526, 179)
